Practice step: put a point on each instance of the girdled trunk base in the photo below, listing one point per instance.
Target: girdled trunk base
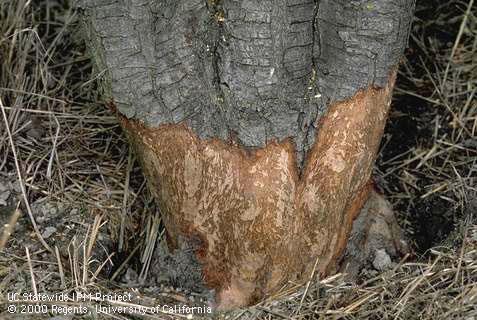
(256, 220)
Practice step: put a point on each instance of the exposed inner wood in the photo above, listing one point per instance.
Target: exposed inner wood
(259, 223)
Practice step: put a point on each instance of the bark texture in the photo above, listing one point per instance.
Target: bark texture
(253, 71)
(256, 122)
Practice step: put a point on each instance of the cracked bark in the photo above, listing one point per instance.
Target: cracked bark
(256, 122)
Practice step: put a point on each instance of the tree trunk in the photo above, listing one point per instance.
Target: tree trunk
(257, 123)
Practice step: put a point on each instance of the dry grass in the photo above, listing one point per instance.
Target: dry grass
(69, 147)
(66, 147)
(428, 164)
(443, 286)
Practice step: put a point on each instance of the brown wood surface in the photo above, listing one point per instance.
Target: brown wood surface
(259, 224)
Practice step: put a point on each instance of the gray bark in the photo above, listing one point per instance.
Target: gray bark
(246, 70)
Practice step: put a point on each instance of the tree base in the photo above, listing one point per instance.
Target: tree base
(256, 221)
(376, 241)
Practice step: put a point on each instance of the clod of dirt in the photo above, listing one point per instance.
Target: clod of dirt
(7, 191)
(4, 195)
(45, 211)
(382, 261)
(48, 232)
(375, 238)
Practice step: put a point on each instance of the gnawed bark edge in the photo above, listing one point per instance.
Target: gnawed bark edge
(258, 223)
(252, 70)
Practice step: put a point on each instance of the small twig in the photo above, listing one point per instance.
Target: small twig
(7, 232)
(125, 262)
(151, 239)
(30, 266)
(53, 150)
(85, 260)
(60, 268)
(35, 95)
(22, 183)
(308, 284)
(457, 40)
(125, 201)
(97, 224)
(98, 270)
(462, 250)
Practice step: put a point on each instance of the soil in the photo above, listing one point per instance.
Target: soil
(411, 125)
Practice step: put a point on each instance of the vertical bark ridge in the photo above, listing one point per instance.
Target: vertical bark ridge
(266, 64)
(359, 41)
(185, 66)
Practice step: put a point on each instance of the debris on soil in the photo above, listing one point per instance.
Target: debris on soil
(382, 260)
(48, 232)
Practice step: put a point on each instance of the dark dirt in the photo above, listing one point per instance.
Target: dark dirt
(411, 125)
